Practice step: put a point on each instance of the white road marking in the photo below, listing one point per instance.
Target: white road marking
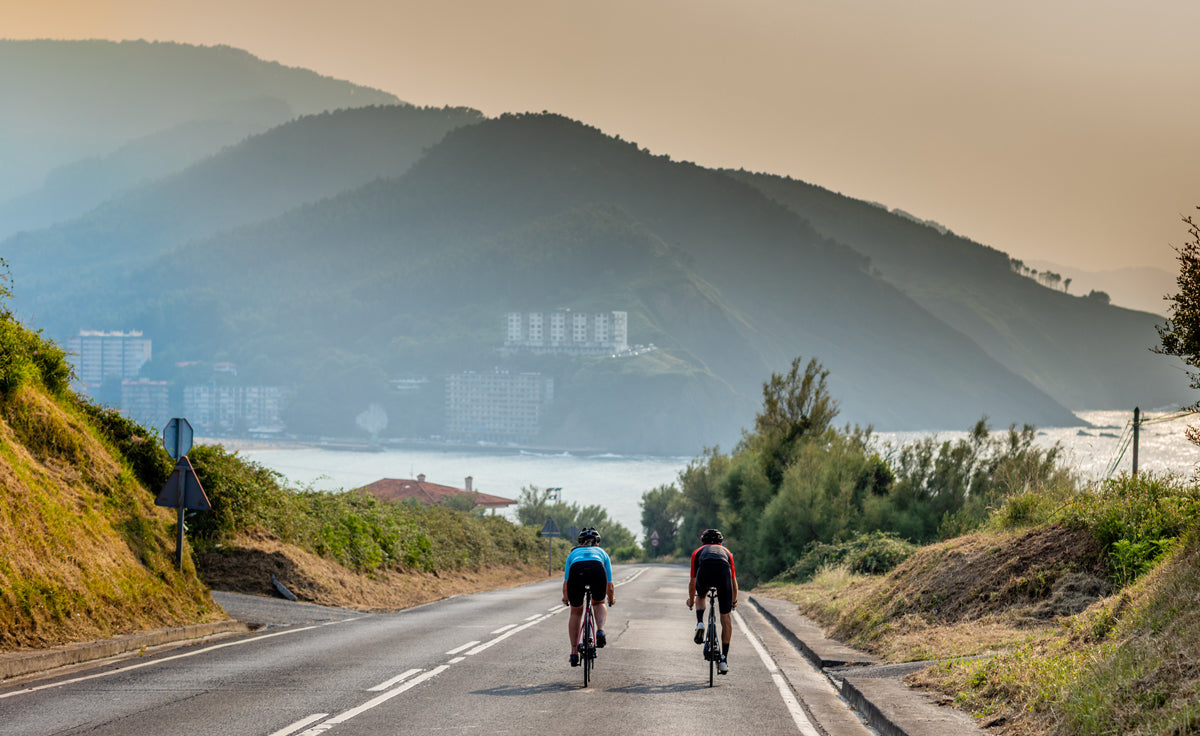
(536, 615)
(299, 724)
(804, 725)
(376, 701)
(468, 645)
(385, 685)
(554, 609)
(456, 660)
(502, 629)
(511, 631)
(153, 662)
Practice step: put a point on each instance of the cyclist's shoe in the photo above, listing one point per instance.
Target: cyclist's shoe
(574, 660)
(601, 640)
(722, 667)
(699, 637)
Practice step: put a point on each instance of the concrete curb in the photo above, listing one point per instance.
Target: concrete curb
(15, 664)
(876, 690)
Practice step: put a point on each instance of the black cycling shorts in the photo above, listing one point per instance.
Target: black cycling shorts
(586, 572)
(715, 573)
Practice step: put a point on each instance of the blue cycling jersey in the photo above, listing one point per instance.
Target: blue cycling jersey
(588, 553)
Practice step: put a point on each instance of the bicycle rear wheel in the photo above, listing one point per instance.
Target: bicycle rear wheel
(588, 645)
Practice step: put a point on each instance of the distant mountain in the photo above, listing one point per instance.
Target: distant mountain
(1085, 352)
(82, 120)
(302, 161)
(1144, 289)
(538, 212)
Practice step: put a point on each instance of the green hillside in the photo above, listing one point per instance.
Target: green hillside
(414, 274)
(1082, 351)
(67, 147)
(301, 161)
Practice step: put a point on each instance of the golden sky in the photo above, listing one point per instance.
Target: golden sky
(1058, 130)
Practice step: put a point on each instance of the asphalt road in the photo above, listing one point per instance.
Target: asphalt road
(491, 663)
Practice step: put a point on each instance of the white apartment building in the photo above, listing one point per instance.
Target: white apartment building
(567, 331)
(99, 355)
(221, 409)
(496, 407)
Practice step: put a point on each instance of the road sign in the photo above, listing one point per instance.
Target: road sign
(177, 437)
(654, 538)
(550, 529)
(573, 534)
(183, 489)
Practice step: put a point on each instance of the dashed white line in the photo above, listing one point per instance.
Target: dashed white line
(804, 725)
(376, 701)
(299, 724)
(385, 685)
(468, 645)
(456, 660)
(536, 615)
(502, 629)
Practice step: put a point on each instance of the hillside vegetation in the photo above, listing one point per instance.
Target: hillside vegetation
(85, 553)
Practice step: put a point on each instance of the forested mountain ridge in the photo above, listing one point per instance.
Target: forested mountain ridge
(535, 212)
(107, 115)
(1082, 350)
(304, 160)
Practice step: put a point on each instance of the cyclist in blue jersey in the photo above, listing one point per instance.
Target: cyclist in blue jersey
(587, 564)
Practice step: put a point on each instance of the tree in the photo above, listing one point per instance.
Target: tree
(662, 512)
(795, 405)
(1180, 336)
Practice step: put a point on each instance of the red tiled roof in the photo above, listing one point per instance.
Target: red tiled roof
(392, 489)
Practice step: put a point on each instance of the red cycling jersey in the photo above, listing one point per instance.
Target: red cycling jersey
(712, 551)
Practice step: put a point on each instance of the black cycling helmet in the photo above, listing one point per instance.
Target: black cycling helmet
(711, 536)
(588, 533)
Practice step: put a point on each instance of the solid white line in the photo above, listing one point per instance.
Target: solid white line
(106, 673)
(468, 645)
(377, 700)
(502, 629)
(758, 647)
(785, 691)
(385, 685)
(299, 724)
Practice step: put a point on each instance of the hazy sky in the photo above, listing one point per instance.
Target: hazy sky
(1061, 130)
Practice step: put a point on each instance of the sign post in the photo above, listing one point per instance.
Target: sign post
(549, 531)
(183, 490)
(654, 541)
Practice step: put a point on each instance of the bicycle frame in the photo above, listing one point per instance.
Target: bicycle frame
(586, 646)
(712, 644)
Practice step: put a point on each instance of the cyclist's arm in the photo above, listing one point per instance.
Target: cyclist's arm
(564, 592)
(611, 600)
(691, 592)
(735, 590)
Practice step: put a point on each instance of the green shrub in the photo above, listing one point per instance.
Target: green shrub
(872, 553)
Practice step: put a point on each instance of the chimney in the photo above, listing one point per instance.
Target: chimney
(468, 486)
(421, 478)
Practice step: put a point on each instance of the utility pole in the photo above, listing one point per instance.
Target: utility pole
(1137, 421)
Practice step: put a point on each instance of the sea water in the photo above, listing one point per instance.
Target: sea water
(1099, 446)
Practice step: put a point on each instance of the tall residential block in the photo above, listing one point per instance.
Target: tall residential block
(97, 356)
(496, 407)
(567, 331)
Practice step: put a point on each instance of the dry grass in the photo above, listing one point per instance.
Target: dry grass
(1125, 664)
(84, 553)
(247, 565)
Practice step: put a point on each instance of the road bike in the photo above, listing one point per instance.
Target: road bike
(586, 646)
(712, 645)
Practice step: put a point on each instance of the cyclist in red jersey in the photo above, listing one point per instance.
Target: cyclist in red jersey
(712, 567)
